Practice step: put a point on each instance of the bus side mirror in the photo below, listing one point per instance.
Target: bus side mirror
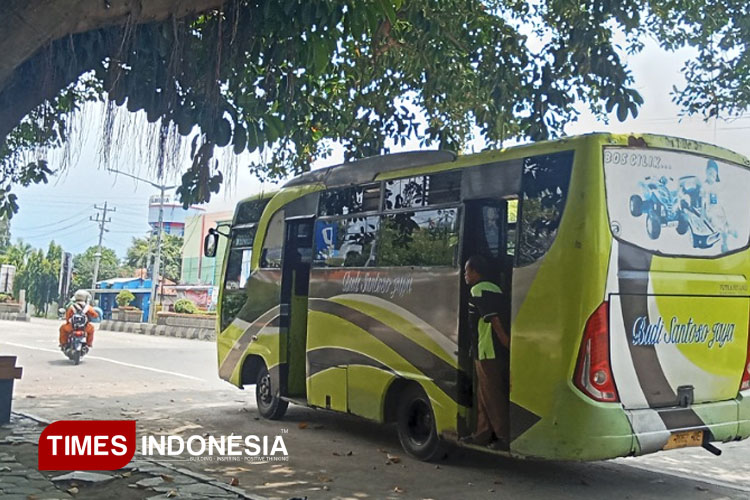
(211, 243)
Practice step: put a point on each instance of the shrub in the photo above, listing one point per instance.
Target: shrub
(4, 297)
(124, 298)
(185, 306)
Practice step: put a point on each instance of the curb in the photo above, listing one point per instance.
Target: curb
(9, 316)
(180, 470)
(191, 333)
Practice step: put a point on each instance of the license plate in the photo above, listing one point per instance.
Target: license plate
(684, 439)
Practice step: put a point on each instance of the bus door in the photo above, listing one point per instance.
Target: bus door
(489, 230)
(295, 283)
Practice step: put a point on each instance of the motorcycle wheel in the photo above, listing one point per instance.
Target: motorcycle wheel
(653, 224)
(76, 357)
(636, 205)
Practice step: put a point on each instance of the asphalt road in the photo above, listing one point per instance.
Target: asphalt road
(170, 386)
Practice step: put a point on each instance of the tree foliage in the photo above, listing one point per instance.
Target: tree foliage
(83, 267)
(285, 78)
(36, 272)
(141, 249)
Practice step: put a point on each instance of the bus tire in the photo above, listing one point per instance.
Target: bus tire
(416, 425)
(270, 404)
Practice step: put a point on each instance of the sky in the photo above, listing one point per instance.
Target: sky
(60, 210)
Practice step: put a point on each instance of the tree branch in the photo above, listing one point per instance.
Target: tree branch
(28, 25)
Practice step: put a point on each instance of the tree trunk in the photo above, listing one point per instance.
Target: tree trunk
(28, 25)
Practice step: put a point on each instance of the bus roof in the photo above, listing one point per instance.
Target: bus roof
(371, 168)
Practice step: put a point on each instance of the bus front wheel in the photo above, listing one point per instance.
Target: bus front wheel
(270, 405)
(416, 426)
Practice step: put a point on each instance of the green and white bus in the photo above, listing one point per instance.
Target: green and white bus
(624, 262)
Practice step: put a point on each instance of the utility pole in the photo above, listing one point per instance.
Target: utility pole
(102, 230)
(155, 278)
(155, 273)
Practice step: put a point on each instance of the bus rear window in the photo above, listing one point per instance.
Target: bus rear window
(677, 203)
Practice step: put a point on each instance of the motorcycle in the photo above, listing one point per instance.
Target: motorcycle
(75, 348)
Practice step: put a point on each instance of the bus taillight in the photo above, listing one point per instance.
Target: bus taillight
(745, 384)
(593, 374)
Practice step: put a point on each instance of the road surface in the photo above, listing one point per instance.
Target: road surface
(170, 386)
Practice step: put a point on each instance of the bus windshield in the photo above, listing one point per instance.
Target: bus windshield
(677, 203)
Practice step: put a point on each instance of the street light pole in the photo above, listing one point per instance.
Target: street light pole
(155, 273)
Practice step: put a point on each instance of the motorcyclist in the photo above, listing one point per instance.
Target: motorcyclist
(80, 305)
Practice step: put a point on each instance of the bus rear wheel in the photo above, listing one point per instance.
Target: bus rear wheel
(270, 405)
(416, 426)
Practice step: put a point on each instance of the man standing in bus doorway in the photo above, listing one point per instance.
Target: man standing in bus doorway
(492, 357)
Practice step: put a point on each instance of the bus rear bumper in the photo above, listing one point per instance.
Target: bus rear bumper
(656, 429)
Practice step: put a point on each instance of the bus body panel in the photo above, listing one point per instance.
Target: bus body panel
(552, 301)
(342, 332)
(567, 286)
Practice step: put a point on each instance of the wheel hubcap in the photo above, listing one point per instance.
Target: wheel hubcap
(264, 389)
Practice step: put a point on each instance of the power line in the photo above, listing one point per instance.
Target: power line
(56, 231)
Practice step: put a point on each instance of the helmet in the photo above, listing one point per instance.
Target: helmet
(81, 296)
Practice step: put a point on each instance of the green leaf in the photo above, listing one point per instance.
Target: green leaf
(622, 112)
(240, 138)
(321, 55)
(387, 7)
(274, 128)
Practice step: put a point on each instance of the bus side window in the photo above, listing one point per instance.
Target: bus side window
(421, 191)
(270, 256)
(346, 242)
(544, 187)
(423, 238)
(349, 200)
(511, 223)
(240, 253)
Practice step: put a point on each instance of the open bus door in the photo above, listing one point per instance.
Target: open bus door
(489, 230)
(295, 284)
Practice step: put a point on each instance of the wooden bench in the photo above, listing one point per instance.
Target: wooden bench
(8, 373)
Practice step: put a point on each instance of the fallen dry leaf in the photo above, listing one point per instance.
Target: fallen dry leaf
(127, 474)
(325, 479)
(167, 478)
(302, 425)
(73, 490)
(398, 490)
(234, 482)
(394, 459)
(171, 493)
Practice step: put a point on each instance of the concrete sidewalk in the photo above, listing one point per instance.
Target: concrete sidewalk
(141, 479)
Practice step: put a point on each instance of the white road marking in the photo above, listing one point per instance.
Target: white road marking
(114, 361)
